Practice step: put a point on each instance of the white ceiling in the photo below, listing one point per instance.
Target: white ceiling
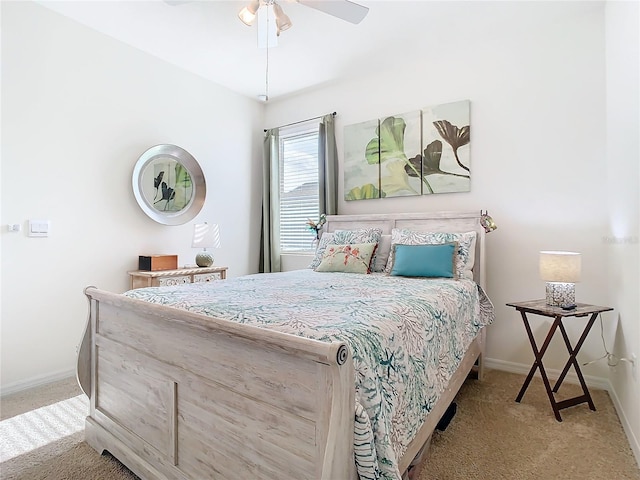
(207, 38)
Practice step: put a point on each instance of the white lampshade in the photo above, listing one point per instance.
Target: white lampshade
(560, 266)
(206, 235)
(561, 270)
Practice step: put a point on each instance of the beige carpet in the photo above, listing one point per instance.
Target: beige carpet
(491, 437)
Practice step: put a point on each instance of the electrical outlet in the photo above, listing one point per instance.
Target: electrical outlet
(634, 366)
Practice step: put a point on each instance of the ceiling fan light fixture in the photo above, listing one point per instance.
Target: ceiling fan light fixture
(283, 22)
(248, 14)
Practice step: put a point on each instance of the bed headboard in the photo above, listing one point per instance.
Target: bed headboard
(454, 222)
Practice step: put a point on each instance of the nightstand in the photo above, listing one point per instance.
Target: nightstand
(159, 278)
(540, 307)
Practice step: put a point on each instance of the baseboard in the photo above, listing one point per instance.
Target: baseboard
(633, 440)
(595, 382)
(36, 381)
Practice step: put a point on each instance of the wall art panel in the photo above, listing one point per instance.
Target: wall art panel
(361, 161)
(446, 144)
(420, 152)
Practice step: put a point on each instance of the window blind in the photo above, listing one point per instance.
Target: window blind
(299, 194)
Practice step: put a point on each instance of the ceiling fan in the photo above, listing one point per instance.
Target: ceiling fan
(267, 34)
(343, 9)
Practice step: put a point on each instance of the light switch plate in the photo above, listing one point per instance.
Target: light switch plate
(39, 228)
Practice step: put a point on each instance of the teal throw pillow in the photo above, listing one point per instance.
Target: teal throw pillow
(424, 260)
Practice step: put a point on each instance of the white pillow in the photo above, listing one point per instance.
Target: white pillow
(381, 256)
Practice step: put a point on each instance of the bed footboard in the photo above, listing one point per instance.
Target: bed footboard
(175, 394)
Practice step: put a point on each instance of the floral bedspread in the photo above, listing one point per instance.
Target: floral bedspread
(407, 337)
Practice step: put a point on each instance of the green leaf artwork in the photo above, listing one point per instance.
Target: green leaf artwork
(389, 141)
(395, 151)
(182, 175)
(173, 186)
(183, 187)
(395, 136)
(396, 179)
(361, 164)
(362, 193)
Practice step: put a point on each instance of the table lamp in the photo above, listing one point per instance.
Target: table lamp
(561, 271)
(205, 235)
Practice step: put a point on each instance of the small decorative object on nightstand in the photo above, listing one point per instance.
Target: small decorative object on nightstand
(179, 276)
(540, 307)
(205, 235)
(561, 271)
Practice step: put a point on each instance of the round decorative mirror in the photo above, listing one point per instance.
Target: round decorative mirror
(169, 184)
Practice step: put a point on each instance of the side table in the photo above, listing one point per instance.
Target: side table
(160, 278)
(540, 307)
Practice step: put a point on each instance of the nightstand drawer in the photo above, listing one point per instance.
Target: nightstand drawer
(207, 277)
(169, 281)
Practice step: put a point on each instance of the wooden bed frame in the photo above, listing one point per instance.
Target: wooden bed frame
(178, 395)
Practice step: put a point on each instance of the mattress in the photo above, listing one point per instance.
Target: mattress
(407, 337)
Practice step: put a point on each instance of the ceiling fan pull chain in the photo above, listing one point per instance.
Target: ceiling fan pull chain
(266, 75)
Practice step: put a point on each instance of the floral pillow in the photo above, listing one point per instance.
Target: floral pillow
(350, 258)
(345, 237)
(465, 254)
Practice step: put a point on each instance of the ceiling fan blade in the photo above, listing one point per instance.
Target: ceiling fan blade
(344, 9)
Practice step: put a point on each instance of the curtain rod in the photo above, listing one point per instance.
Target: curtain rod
(301, 121)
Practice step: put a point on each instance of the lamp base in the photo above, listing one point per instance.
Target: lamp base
(560, 294)
(204, 259)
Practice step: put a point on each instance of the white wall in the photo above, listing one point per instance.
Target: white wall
(623, 195)
(78, 109)
(538, 161)
(548, 108)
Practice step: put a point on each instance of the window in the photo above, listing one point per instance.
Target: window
(299, 186)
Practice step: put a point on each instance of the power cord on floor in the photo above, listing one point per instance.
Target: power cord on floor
(612, 360)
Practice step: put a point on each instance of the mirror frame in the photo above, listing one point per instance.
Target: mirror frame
(183, 157)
